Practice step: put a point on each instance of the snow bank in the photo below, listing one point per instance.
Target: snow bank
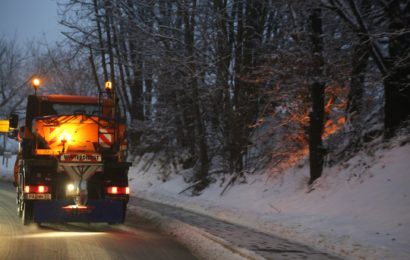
(6, 169)
(358, 209)
(200, 243)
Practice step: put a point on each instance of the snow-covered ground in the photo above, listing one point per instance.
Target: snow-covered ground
(359, 209)
(6, 169)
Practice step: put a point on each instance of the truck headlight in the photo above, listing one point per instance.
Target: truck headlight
(70, 188)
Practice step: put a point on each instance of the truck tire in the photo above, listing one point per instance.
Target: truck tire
(27, 213)
(18, 202)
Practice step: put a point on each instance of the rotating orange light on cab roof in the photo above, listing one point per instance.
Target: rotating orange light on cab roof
(36, 84)
(108, 85)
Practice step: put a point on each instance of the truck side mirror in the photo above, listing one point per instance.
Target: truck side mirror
(14, 121)
(13, 134)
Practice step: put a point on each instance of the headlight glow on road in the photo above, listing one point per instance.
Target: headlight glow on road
(62, 234)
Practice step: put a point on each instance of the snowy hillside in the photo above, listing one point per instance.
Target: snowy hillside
(359, 209)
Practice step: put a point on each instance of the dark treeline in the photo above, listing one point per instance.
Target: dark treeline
(219, 83)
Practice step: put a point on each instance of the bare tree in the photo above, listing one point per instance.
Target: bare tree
(391, 18)
(14, 78)
(201, 80)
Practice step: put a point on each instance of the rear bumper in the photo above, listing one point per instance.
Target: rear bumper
(58, 211)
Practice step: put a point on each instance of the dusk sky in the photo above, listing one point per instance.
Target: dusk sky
(30, 20)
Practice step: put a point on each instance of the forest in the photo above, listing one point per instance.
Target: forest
(229, 86)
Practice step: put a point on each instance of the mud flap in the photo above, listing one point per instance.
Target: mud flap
(97, 211)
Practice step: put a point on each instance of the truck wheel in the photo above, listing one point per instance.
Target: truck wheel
(27, 214)
(19, 211)
(19, 203)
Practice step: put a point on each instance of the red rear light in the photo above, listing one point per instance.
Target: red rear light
(118, 190)
(36, 189)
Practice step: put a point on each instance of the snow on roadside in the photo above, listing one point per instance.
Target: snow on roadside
(359, 209)
(6, 169)
(201, 244)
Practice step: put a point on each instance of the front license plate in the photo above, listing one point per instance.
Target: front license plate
(89, 157)
(33, 196)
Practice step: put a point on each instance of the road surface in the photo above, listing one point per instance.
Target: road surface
(133, 240)
(265, 245)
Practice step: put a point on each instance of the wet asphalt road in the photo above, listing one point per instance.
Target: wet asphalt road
(135, 239)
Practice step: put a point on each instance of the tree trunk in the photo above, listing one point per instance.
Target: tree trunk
(360, 57)
(200, 137)
(317, 90)
(136, 86)
(108, 21)
(316, 150)
(94, 69)
(235, 141)
(397, 82)
(223, 100)
(123, 53)
(100, 39)
(121, 87)
(359, 63)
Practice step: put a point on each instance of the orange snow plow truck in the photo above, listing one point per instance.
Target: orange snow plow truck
(72, 164)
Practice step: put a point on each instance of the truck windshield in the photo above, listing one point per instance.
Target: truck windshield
(69, 109)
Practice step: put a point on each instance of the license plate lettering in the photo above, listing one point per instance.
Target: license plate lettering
(33, 196)
(81, 158)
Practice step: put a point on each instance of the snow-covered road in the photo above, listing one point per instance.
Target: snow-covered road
(231, 235)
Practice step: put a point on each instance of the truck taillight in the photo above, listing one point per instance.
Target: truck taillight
(36, 189)
(118, 190)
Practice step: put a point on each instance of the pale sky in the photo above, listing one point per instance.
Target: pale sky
(30, 20)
